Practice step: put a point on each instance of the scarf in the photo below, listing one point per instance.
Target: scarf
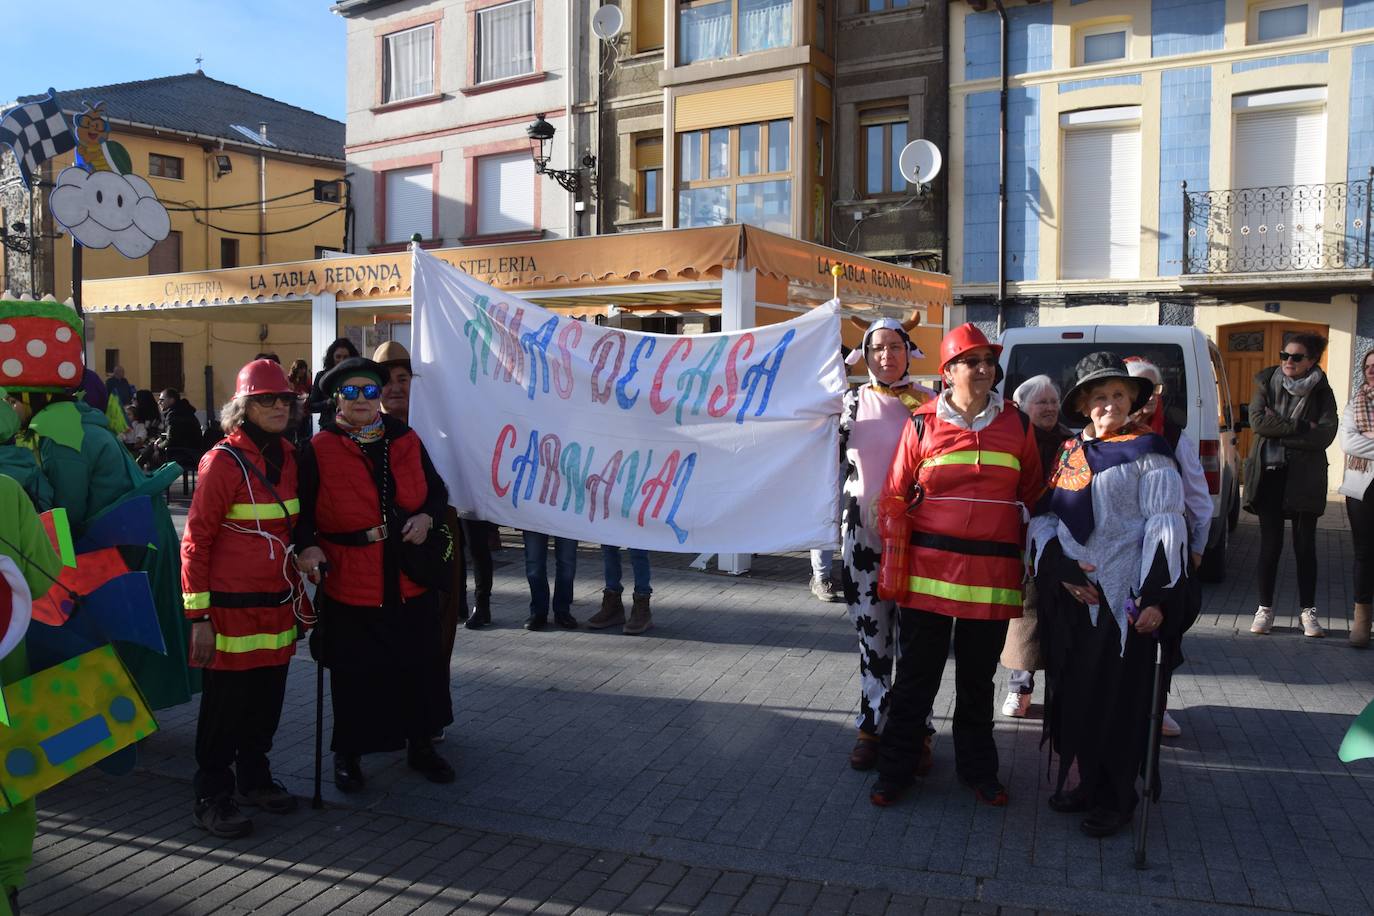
(1362, 406)
(1070, 493)
(1289, 399)
(270, 445)
(904, 389)
(362, 435)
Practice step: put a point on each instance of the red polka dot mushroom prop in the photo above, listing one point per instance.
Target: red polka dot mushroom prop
(40, 345)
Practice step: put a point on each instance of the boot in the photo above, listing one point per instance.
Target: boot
(640, 618)
(481, 614)
(612, 611)
(1359, 630)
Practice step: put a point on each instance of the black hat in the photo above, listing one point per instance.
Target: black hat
(1099, 367)
(351, 368)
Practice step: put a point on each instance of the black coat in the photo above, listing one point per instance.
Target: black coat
(1305, 440)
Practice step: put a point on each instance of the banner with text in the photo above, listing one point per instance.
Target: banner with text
(714, 443)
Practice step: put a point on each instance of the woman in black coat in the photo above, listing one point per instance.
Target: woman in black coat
(1294, 418)
(319, 402)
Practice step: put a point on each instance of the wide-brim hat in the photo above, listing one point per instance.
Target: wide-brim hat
(391, 353)
(349, 368)
(1100, 367)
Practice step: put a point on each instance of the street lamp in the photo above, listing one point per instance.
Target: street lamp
(541, 135)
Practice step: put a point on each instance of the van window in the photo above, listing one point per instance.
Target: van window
(1223, 391)
(1057, 360)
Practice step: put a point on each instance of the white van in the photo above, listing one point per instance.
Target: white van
(1196, 397)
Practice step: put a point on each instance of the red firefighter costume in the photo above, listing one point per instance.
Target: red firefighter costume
(968, 531)
(234, 561)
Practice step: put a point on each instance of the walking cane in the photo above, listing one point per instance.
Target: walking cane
(1151, 753)
(318, 802)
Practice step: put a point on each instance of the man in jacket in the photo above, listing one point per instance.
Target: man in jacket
(969, 468)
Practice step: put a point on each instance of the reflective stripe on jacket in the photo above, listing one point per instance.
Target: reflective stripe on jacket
(234, 561)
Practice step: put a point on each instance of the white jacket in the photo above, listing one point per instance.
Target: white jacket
(1353, 442)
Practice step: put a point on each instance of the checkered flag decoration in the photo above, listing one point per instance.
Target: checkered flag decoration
(36, 131)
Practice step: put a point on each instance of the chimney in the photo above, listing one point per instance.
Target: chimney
(262, 130)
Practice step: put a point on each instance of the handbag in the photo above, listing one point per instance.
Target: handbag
(429, 564)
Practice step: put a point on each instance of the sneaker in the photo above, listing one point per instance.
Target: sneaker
(886, 793)
(823, 589)
(222, 817)
(1168, 727)
(987, 790)
(1263, 622)
(272, 797)
(1017, 704)
(612, 613)
(1310, 627)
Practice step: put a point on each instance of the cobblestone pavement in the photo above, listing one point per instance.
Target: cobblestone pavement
(703, 767)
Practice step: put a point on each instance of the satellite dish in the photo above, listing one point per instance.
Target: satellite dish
(919, 161)
(607, 22)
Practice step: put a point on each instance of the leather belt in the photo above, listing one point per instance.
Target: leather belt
(357, 538)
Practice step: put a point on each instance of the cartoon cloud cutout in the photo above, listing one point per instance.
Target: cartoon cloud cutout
(106, 208)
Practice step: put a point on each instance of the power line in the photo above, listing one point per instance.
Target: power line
(175, 206)
(272, 232)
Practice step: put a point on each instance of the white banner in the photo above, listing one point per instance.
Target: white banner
(714, 443)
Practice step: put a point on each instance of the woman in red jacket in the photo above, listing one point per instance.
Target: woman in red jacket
(368, 488)
(244, 597)
(968, 466)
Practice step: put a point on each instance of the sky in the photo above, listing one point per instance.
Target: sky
(290, 50)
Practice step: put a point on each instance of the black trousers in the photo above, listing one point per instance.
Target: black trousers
(924, 640)
(1269, 508)
(239, 714)
(477, 541)
(1361, 515)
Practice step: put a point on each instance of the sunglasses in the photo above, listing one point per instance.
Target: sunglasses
(973, 362)
(267, 400)
(367, 392)
(1285, 356)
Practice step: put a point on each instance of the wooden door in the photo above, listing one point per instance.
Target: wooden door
(1248, 348)
(165, 366)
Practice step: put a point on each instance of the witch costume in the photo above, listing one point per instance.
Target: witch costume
(1116, 504)
(871, 424)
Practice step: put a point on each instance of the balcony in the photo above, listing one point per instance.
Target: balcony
(1248, 239)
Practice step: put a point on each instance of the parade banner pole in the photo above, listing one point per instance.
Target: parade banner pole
(1151, 754)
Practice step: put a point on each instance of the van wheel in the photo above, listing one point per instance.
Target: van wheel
(1213, 566)
(1233, 517)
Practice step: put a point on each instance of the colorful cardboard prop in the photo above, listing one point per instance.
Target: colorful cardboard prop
(16, 607)
(40, 345)
(95, 151)
(101, 209)
(66, 718)
(36, 132)
(1359, 740)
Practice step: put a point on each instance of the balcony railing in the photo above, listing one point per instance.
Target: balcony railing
(1278, 230)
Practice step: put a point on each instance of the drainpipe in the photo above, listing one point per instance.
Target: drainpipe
(262, 196)
(596, 134)
(1002, 180)
(570, 78)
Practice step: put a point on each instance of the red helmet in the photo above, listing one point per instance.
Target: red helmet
(262, 376)
(962, 339)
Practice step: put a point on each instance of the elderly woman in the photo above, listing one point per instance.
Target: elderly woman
(1357, 486)
(1294, 418)
(243, 597)
(1037, 398)
(368, 493)
(1110, 549)
(872, 421)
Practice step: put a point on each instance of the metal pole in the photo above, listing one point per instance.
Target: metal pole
(1002, 180)
(1151, 754)
(1368, 211)
(1187, 220)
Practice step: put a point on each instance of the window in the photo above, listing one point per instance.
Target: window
(111, 360)
(408, 64)
(648, 25)
(649, 172)
(1101, 180)
(165, 256)
(228, 252)
(1273, 145)
(324, 251)
(712, 29)
(505, 194)
(166, 366)
(877, 6)
(505, 41)
(883, 135)
(165, 166)
(327, 191)
(409, 203)
(736, 174)
(1099, 47)
(1275, 20)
